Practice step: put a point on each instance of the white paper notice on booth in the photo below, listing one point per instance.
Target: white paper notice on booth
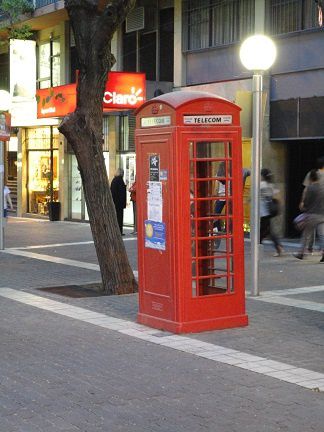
(154, 201)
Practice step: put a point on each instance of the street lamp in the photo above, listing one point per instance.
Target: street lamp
(5, 101)
(257, 53)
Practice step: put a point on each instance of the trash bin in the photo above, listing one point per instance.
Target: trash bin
(54, 209)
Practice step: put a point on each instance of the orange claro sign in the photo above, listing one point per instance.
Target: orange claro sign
(123, 91)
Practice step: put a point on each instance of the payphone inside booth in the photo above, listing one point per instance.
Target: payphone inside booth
(190, 213)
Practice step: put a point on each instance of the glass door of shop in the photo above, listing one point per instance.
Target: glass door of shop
(129, 167)
(77, 205)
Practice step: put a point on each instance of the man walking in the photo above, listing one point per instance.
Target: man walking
(118, 192)
(313, 206)
(307, 181)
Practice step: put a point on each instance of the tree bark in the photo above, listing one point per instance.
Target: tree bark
(94, 23)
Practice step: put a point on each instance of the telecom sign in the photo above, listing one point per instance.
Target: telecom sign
(207, 120)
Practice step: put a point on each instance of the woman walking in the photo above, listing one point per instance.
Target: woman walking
(7, 200)
(267, 192)
(132, 191)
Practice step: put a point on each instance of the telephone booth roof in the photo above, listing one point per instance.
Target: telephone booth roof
(189, 102)
(178, 98)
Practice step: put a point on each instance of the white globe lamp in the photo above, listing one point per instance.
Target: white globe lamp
(5, 100)
(258, 53)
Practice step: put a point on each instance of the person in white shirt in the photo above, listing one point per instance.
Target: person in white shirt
(7, 200)
(267, 192)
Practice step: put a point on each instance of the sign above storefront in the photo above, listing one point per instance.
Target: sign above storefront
(56, 101)
(5, 122)
(22, 66)
(123, 91)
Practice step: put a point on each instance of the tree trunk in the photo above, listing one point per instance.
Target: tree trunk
(93, 27)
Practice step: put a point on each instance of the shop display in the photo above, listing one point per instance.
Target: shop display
(39, 172)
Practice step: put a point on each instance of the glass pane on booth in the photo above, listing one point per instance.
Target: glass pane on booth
(211, 216)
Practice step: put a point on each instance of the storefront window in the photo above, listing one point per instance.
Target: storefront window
(126, 133)
(40, 138)
(129, 167)
(43, 169)
(77, 200)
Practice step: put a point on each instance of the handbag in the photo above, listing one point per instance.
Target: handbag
(300, 221)
(274, 207)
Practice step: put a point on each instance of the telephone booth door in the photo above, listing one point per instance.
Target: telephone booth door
(216, 295)
(211, 203)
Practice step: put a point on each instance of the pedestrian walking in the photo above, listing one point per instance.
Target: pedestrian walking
(267, 193)
(313, 207)
(246, 172)
(118, 192)
(307, 181)
(7, 200)
(132, 191)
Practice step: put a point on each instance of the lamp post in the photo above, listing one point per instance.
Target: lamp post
(257, 53)
(5, 100)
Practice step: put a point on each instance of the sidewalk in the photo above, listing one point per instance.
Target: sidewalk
(86, 365)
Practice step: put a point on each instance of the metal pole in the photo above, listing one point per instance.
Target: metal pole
(51, 128)
(52, 165)
(1, 195)
(256, 168)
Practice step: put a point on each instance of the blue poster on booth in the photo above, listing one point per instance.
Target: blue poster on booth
(154, 235)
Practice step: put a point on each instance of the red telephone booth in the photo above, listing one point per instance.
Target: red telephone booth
(190, 213)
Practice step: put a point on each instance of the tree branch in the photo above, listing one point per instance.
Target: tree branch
(116, 12)
(81, 4)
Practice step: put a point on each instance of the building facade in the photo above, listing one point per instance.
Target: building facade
(209, 59)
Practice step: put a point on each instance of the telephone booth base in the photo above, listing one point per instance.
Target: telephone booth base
(193, 326)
